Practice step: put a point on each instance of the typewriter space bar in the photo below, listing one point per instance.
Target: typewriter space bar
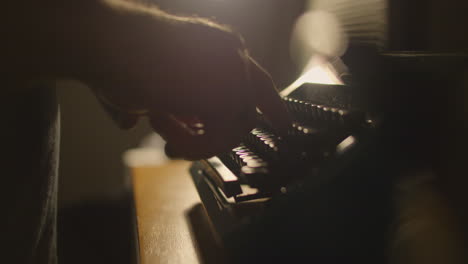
(222, 177)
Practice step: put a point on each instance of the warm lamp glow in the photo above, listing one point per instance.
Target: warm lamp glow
(319, 73)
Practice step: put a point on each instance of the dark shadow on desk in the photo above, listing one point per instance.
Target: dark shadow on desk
(208, 247)
(97, 232)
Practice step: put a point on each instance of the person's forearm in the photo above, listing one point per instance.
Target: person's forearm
(60, 39)
(65, 39)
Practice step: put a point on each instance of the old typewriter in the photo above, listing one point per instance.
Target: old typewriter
(323, 192)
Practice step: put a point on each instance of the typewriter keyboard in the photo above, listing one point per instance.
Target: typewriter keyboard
(265, 163)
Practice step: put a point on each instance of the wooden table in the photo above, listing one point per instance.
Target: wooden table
(167, 206)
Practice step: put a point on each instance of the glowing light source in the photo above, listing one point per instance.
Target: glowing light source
(318, 38)
(322, 73)
(319, 74)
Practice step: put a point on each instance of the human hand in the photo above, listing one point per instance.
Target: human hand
(194, 81)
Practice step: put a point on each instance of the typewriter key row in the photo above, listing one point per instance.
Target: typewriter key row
(254, 170)
(245, 157)
(252, 182)
(268, 145)
(308, 112)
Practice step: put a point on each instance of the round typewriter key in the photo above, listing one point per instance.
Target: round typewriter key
(242, 151)
(239, 154)
(296, 105)
(271, 146)
(313, 111)
(239, 148)
(334, 114)
(256, 164)
(256, 131)
(197, 125)
(297, 132)
(319, 112)
(252, 157)
(308, 130)
(307, 111)
(344, 115)
(253, 161)
(257, 136)
(246, 154)
(249, 170)
(287, 103)
(328, 114)
(302, 110)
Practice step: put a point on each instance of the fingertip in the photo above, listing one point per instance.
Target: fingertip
(268, 99)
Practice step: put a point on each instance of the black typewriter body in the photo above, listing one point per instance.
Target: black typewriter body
(263, 195)
(324, 193)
